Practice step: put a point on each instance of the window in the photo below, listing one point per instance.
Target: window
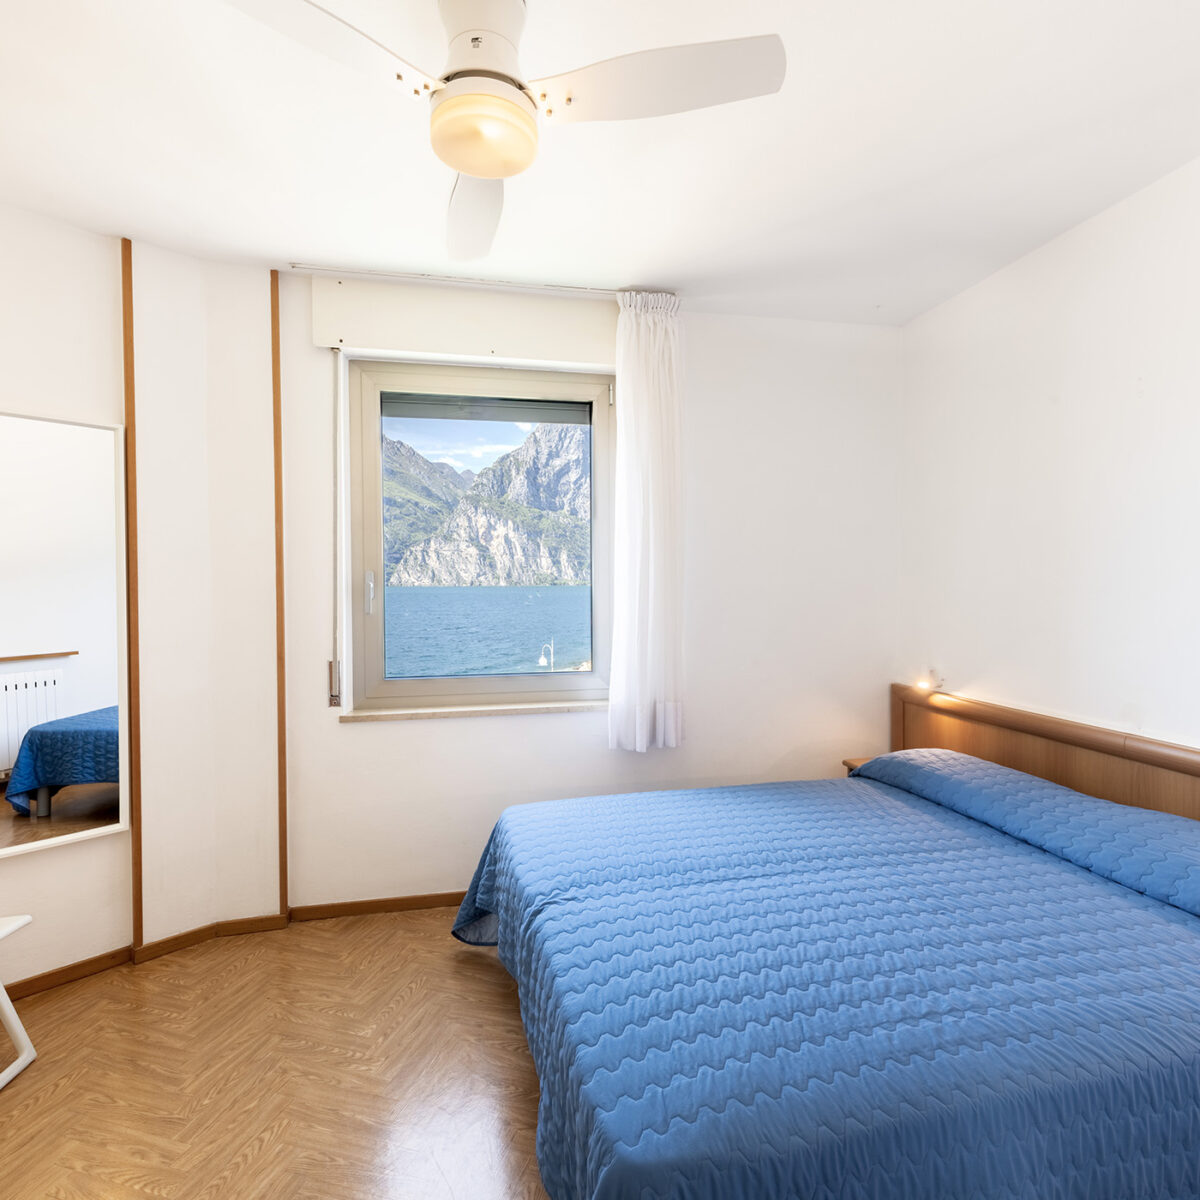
(480, 519)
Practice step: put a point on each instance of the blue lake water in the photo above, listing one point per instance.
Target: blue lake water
(435, 632)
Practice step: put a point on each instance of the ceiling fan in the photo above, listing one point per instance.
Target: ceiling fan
(484, 113)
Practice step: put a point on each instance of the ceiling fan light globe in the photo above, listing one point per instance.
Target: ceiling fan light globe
(484, 135)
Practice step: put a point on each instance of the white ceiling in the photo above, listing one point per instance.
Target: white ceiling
(916, 147)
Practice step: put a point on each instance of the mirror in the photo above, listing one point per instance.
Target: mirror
(62, 632)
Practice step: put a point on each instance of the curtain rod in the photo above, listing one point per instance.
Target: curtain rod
(493, 285)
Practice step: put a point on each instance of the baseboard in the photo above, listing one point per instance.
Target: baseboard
(251, 925)
(68, 974)
(358, 908)
(193, 937)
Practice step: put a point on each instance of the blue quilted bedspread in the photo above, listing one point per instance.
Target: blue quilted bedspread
(853, 989)
(79, 749)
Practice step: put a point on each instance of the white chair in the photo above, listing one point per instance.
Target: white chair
(8, 1015)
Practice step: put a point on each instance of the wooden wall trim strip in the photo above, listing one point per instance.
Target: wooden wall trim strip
(280, 650)
(133, 715)
(68, 974)
(358, 908)
(1183, 759)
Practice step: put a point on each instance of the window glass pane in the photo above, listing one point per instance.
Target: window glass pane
(487, 536)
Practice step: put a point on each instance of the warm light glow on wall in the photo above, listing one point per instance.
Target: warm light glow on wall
(488, 136)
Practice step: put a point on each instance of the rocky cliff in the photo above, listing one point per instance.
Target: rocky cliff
(525, 520)
(418, 496)
(550, 472)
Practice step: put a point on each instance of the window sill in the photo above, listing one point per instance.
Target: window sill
(540, 708)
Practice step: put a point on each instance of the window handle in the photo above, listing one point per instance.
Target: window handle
(369, 592)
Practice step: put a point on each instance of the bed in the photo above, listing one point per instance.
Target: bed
(84, 748)
(941, 977)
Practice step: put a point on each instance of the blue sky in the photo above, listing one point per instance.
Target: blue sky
(465, 445)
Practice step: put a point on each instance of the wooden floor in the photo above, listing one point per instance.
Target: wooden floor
(73, 809)
(364, 1058)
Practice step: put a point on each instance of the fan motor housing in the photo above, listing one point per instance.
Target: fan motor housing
(484, 36)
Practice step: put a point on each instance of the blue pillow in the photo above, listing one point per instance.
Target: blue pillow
(1150, 852)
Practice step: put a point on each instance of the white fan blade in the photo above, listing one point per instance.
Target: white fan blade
(674, 79)
(314, 26)
(474, 216)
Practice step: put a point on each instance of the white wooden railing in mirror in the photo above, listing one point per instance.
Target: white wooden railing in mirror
(63, 743)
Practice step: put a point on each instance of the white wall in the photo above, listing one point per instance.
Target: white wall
(790, 489)
(59, 546)
(60, 343)
(1052, 484)
(206, 588)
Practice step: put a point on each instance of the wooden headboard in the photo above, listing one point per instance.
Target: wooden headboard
(1123, 767)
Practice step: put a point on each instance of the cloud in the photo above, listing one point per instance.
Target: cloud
(450, 462)
(524, 426)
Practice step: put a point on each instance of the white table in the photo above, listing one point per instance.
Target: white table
(8, 1015)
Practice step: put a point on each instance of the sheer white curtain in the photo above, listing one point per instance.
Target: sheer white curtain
(645, 703)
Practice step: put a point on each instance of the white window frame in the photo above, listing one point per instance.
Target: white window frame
(367, 381)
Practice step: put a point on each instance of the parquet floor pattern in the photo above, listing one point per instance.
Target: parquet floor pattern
(364, 1058)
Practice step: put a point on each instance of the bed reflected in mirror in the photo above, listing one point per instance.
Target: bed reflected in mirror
(62, 642)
